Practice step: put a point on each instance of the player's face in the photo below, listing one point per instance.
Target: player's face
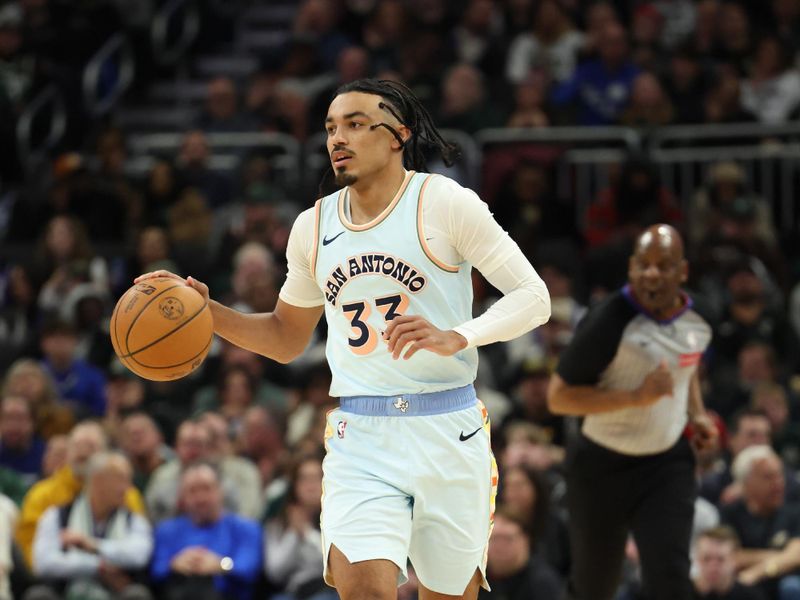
(656, 271)
(355, 150)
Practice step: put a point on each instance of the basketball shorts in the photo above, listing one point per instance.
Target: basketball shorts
(411, 477)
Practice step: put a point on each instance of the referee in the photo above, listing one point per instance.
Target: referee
(631, 371)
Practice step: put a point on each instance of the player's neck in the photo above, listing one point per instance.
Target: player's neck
(369, 198)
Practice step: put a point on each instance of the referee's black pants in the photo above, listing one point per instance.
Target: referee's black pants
(611, 494)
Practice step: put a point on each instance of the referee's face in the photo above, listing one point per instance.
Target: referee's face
(657, 269)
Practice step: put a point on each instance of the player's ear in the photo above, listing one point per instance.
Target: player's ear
(684, 271)
(405, 133)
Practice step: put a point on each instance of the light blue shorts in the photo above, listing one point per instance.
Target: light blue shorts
(411, 477)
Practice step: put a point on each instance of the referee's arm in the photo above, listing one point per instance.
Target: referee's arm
(573, 387)
(579, 400)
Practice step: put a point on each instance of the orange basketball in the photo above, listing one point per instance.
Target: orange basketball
(161, 329)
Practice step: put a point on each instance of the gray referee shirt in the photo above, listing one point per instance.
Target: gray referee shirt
(615, 346)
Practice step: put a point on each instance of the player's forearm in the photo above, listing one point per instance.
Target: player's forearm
(262, 333)
(525, 305)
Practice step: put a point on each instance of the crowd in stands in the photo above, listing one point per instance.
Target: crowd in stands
(113, 486)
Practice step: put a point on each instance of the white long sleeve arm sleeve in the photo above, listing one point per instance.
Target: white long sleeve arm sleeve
(474, 237)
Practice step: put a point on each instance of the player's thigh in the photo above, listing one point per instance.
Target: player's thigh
(367, 580)
(454, 493)
(470, 593)
(366, 513)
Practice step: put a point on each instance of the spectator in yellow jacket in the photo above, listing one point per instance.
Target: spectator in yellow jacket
(65, 484)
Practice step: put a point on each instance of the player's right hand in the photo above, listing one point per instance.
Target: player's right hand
(198, 286)
(657, 384)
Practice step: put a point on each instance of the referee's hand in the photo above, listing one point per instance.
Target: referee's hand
(657, 384)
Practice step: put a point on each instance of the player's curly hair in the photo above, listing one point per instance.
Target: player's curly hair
(401, 102)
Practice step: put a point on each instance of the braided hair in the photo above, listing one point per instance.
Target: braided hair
(400, 102)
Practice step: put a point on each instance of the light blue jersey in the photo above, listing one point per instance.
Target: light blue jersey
(374, 272)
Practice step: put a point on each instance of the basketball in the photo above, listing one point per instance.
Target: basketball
(161, 329)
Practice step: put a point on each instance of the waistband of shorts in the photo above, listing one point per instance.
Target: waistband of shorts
(411, 405)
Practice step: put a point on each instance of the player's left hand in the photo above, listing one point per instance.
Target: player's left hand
(705, 435)
(421, 335)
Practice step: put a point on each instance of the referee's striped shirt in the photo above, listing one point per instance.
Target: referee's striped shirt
(615, 346)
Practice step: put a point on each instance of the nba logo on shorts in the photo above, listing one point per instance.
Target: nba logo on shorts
(340, 429)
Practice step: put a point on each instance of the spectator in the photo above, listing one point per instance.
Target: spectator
(8, 520)
(714, 573)
(193, 442)
(478, 38)
(530, 400)
(787, 22)
(207, 553)
(384, 32)
(773, 400)
(28, 378)
(529, 110)
(513, 570)
(63, 260)
(194, 171)
(750, 318)
(353, 63)
(143, 444)
(317, 21)
(772, 92)
(93, 547)
(17, 315)
(601, 86)
(749, 427)
(723, 102)
(706, 23)
(80, 384)
(647, 26)
(293, 542)
(20, 448)
(764, 522)
(86, 307)
(624, 209)
(221, 113)
(649, 106)
(685, 83)
(161, 192)
(236, 392)
(260, 441)
(125, 393)
(63, 486)
(465, 104)
(237, 472)
(552, 45)
(527, 493)
(55, 455)
(733, 41)
(726, 184)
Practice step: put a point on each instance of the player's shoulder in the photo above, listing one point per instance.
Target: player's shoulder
(442, 189)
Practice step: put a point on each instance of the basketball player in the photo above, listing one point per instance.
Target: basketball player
(408, 472)
(631, 372)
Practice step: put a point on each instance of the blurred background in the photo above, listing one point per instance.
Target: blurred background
(188, 135)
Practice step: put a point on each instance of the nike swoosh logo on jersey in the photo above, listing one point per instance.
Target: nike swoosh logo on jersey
(464, 438)
(326, 241)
